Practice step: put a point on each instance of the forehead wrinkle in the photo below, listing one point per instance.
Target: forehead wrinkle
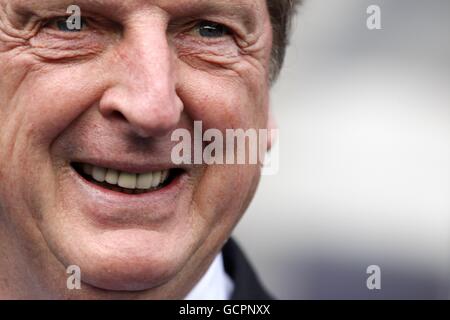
(53, 5)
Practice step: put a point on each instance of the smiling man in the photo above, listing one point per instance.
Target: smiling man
(86, 176)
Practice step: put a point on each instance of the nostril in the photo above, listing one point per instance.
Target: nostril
(117, 115)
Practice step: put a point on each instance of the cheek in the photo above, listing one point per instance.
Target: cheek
(228, 189)
(224, 102)
(50, 98)
(44, 97)
(37, 102)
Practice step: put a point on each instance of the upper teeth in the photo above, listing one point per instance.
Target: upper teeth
(127, 180)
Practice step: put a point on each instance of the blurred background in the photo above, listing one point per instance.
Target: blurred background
(364, 177)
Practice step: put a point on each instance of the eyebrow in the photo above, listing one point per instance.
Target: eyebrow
(243, 11)
(238, 10)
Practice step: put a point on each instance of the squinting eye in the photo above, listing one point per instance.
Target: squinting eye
(210, 29)
(64, 25)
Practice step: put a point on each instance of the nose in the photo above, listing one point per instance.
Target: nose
(143, 93)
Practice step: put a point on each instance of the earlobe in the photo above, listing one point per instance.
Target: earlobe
(271, 128)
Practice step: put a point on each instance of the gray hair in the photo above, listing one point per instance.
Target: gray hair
(281, 15)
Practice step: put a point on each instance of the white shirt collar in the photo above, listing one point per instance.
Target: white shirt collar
(214, 285)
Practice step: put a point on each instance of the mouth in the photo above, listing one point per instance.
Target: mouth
(126, 182)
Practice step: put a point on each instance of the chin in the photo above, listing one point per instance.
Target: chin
(115, 274)
(121, 241)
(125, 260)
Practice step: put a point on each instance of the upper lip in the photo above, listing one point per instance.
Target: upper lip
(131, 166)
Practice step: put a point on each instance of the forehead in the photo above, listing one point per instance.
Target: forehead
(168, 5)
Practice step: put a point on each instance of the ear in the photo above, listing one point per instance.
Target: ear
(271, 126)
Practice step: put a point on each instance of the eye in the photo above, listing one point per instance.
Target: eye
(63, 24)
(210, 29)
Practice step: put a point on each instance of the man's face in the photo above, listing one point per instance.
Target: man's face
(109, 97)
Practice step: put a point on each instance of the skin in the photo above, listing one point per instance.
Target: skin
(114, 93)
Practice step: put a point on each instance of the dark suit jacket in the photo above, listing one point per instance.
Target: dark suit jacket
(247, 285)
